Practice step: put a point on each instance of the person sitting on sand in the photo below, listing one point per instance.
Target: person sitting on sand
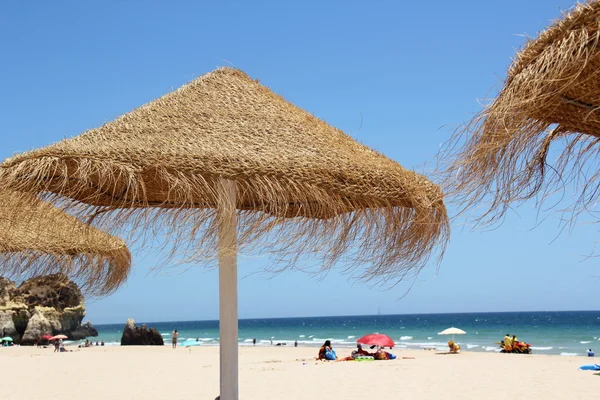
(363, 352)
(590, 353)
(360, 352)
(380, 354)
(454, 347)
(326, 352)
(63, 350)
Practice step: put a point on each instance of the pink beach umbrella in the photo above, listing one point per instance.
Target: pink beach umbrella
(377, 339)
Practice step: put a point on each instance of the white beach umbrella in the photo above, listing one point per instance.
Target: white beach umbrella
(452, 331)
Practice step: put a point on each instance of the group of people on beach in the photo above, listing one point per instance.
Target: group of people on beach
(59, 347)
(326, 352)
(89, 343)
(513, 345)
(278, 344)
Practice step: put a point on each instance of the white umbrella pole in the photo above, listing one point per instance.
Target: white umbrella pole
(228, 296)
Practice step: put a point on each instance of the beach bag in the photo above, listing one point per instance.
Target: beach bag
(330, 355)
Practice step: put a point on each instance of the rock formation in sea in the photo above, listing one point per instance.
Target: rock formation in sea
(140, 336)
(43, 305)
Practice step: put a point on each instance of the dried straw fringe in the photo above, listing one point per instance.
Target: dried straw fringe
(96, 275)
(552, 92)
(38, 239)
(276, 216)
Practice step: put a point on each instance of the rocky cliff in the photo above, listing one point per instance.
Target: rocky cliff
(44, 305)
(140, 336)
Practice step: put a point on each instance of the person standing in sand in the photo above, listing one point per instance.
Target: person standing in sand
(175, 336)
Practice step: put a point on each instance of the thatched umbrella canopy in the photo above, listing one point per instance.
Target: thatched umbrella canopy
(39, 239)
(224, 147)
(552, 93)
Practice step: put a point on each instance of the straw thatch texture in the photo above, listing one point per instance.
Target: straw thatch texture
(552, 92)
(303, 186)
(39, 239)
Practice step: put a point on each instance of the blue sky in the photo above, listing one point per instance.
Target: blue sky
(397, 76)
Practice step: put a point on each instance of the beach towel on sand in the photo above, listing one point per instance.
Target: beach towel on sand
(590, 367)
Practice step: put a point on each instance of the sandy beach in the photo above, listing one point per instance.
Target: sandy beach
(288, 373)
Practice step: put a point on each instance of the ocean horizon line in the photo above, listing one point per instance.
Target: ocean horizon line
(355, 315)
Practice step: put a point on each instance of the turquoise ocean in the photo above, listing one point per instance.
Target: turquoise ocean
(567, 333)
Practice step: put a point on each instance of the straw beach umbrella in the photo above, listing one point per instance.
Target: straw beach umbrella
(223, 162)
(551, 94)
(39, 239)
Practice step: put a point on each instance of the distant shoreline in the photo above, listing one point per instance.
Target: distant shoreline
(356, 315)
(566, 333)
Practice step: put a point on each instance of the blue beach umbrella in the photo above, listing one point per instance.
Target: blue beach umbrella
(6, 339)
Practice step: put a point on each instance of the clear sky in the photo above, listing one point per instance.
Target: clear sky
(398, 76)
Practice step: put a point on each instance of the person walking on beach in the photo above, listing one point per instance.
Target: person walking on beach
(296, 343)
(57, 346)
(254, 341)
(175, 336)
